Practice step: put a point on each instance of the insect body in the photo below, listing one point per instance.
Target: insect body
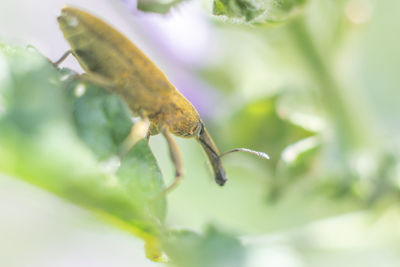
(113, 61)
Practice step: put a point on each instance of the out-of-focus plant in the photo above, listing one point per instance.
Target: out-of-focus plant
(157, 6)
(311, 40)
(257, 11)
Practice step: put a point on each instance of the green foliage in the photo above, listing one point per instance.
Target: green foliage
(257, 11)
(303, 54)
(40, 145)
(237, 9)
(213, 249)
(157, 6)
(265, 128)
(103, 120)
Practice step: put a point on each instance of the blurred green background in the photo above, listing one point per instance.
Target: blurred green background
(312, 83)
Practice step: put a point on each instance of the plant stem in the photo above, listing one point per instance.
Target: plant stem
(346, 125)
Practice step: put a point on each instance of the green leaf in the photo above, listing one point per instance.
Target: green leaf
(257, 11)
(102, 120)
(246, 9)
(157, 6)
(28, 99)
(260, 125)
(140, 175)
(213, 249)
(54, 139)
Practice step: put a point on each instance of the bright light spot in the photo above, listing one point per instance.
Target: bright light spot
(72, 21)
(307, 121)
(140, 129)
(111, 165)
(292, 152)
(359, 11)
(365, 164)
(80, 90)
(64, 77)
(278, 255)
(135, 119)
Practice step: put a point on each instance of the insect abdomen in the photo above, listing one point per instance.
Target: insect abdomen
(101, 49)
(94, 53)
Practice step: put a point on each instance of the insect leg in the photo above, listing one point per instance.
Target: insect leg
(148, 137)
(62, 58)
(97, 80)
(176, 157)
(138, 132)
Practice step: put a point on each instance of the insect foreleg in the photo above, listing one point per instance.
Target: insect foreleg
(62, 58)
(138, 131)
(97, 80)
(92, 78)
(176, 157)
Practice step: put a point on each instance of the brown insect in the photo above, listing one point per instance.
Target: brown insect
(115, 63)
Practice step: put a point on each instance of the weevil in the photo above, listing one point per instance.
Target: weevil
(114, 62)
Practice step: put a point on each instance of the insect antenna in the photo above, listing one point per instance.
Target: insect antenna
(257, 153)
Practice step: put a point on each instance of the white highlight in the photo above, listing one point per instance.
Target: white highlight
(80, 90)
(140, 129)
(308, 121)
(365, 163)
(292, 152)
(64, 77)
(111, 165)
(359, 11)
(72, 21)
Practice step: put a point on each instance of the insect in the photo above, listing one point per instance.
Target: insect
(112, 61)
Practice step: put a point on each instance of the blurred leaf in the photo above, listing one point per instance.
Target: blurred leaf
(259, 126)
(213, 249)
(141, 177)
(23, 90)
(157, 6)
(103, 121)
(39, 144)
(257, 11)
(282, 9)
(247, 9)
(298, 157)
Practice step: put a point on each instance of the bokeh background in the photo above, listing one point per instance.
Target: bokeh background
(312, 83)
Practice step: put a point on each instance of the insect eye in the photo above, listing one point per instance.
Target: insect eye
(198, 129)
